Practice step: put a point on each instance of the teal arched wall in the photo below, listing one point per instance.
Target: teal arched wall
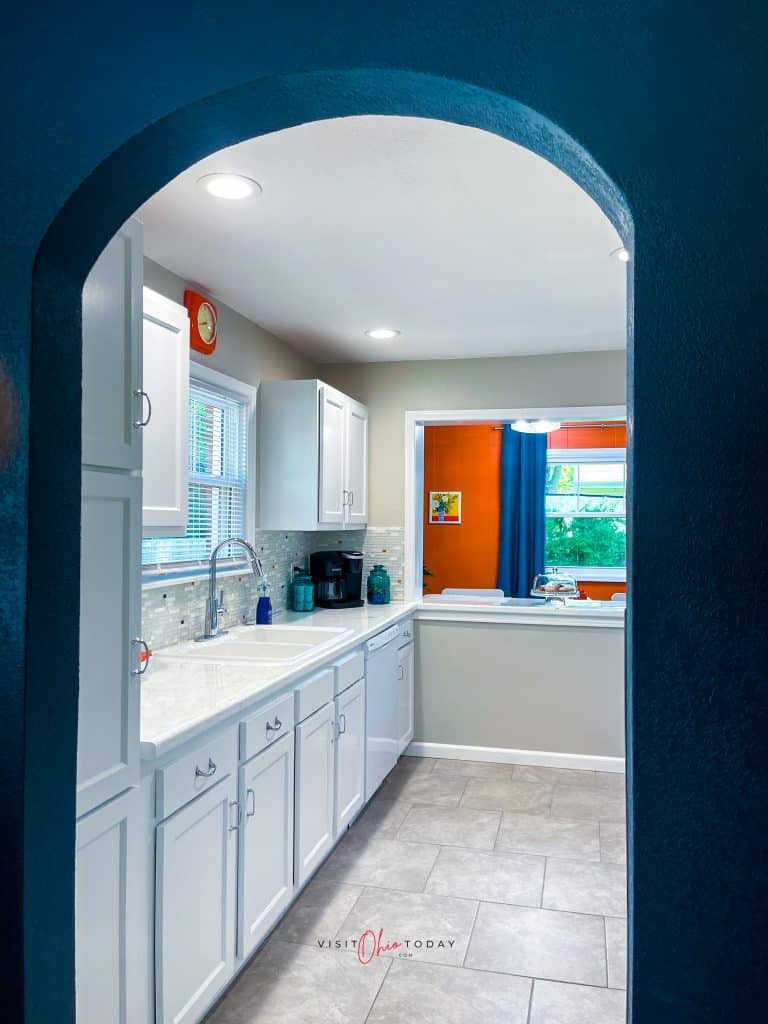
(660, 103)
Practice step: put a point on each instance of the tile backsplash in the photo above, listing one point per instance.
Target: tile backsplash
(173, 612)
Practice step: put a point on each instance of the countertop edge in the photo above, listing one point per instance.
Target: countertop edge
(501, 615)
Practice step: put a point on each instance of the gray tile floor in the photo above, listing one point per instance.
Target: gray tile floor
(505, 885)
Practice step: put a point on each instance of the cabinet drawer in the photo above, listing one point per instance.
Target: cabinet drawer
(196, 772)
(268, 724)
(312, 694)
(406, 633)
(348, 670)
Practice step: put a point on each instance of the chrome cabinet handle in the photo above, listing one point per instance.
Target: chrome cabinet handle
(274, 727)
(238, 815)
(342, 726)
(400, 672)
(250, 794)
(142, 668)
(142, 394)
(351, 498)
(206, 773)
(344, 498)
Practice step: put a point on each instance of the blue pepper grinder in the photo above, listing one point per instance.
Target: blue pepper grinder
(264, 605)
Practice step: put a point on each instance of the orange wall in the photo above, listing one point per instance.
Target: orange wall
(466, 459)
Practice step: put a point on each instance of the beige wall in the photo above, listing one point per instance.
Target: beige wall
(391, 389)
(549, 688)
(244, 350)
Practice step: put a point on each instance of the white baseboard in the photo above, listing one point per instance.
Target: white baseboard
(506, 755)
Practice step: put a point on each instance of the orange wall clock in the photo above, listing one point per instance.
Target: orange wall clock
(203, 322)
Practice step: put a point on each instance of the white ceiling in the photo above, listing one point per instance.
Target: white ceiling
(468, 244)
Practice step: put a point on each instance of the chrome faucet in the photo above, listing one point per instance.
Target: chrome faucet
(213, 605)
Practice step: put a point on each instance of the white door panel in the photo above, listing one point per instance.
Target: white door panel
(110, 914)
(356, 458)
(166, 382)
(110, 615)
(265, 876)
(332, 456)
(195, 904)
(314, 791)
(112, 354)
(405, 695)
(350, 755)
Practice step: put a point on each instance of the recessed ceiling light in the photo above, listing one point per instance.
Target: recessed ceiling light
(229, 186)
(535, 426)
(382, 333)
(621, 254)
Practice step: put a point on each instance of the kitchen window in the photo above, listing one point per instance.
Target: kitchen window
(586, 513)
(221, 413)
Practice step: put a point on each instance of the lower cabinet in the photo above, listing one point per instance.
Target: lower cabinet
(313, 832)
(196, 851)
(110, 914)
(404, 697)
(265, 875)
(349, 768)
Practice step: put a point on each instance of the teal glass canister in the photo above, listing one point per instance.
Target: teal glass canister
(378, 585)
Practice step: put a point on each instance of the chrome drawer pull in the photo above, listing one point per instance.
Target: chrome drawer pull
(274, 727)
(238, 815)
(206, 773)
(250, 810)
(140, 393)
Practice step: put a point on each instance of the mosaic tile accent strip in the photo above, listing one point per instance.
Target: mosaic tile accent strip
(173, 613)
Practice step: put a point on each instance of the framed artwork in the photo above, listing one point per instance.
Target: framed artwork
(444, 507)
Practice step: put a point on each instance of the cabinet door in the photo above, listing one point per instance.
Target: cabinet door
(265, 876)
(350, 755)
(195, 904)
(110, 615)
(166, 382)
(313, 834)
(331, 496)
(404, 697)
(356, 461)
(110, 914)
(112, 404)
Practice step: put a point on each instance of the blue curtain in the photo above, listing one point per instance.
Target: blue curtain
(521, 533)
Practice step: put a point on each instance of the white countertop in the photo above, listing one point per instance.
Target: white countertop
(600, 614)
(181, 699)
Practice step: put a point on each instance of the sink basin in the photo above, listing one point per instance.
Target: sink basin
(312, 636)
(272, 644)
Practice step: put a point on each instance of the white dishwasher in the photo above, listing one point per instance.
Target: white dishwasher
(380, 707)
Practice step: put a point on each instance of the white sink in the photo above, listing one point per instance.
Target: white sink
(284, 644)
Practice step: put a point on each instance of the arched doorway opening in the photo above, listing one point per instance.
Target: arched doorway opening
(77, 236)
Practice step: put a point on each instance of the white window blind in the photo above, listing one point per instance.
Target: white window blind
(218, 477)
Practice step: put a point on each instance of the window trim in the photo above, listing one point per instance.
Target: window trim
(157, 574)
(567, 456)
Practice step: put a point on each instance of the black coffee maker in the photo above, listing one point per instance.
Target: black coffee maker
(338, 577)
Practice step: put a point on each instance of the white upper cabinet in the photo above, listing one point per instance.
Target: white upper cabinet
(113, 406)
(166, 384)
(313, 457)
(110, 614)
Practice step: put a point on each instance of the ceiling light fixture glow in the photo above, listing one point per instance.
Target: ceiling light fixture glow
(535, 426)
(382, 333)
(621, 254)
(229, 186)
